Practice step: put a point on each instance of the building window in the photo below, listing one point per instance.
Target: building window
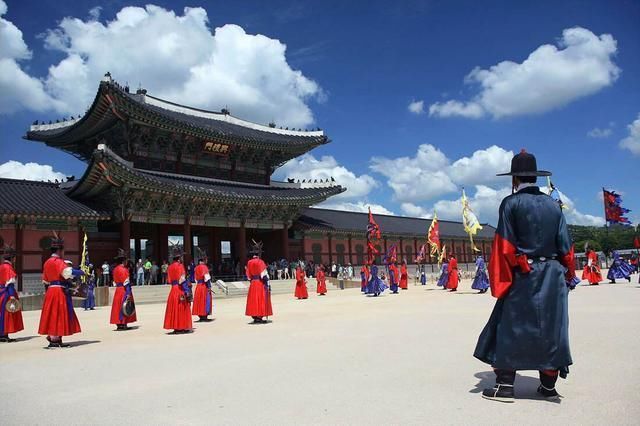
(360, 254)
(340, 254)
(316, 251)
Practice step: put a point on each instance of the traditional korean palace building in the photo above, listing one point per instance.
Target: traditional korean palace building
(159, 172)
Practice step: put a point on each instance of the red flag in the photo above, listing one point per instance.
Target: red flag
(433, 236)
(636, 243)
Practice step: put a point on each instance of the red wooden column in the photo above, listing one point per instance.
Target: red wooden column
(284, 236)
(187, 240)
(415, 246)
(350, 250)
(401, 250)
(163, 243)
(464, 251)
(242, 244)
(303, 248)
(330, 249)
(125, 234)
(19, 253)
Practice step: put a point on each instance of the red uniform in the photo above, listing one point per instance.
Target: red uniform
(321, 282)
(591, 271)
(364, 277)
(258, 297)
(9, 322)
(58, 317)
(177, 316)
(453, 274)
(301, 286)
(123, 289)
(404, 277)
(202, 299)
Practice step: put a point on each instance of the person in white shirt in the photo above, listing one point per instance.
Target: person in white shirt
(105, 274)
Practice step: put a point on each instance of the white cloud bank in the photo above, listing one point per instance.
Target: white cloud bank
(175, 56)
(29, 171)
(416, 107)
(551, 77)
(632, 142)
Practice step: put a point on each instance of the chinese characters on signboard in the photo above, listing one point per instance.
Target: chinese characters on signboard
(216, 148)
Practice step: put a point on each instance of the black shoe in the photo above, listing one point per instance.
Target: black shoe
(63, 345)
(6, 339)
(629, 279)
(501, 393)
(612, 281)
(551, 394)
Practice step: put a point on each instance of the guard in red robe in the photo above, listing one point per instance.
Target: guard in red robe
(58, 317)
(394, 277)
(259, 295)
(203, 297)
(404, 276)
(10, 322)
(177, 316)
(452, 283)
(321, 282)
(530, 272)
(301, 284)
(122, 293)
(364, 278)
(591, 270)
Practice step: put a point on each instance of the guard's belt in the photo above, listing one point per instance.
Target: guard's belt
(531, 260)
(255, 277)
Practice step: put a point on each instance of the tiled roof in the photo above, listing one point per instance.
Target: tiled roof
(24, 197)
(335, 220)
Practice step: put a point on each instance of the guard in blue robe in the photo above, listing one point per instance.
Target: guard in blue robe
(444, 276)
(90, 302)
(531, 266)
(375, 286)
(481, 280)
(619, 269)
(423, 277)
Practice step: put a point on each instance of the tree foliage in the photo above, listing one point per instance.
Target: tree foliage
(602, 238)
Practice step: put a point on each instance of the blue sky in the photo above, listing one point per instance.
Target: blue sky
(354, 70)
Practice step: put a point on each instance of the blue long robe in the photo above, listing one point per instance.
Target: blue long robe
(444, 275)
(529, 326)
(619, 268)
(481, 280)
(375, 284)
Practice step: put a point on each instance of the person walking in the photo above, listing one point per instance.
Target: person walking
(259, 295)
(163, 271)
(139, 272)
(105, 274)
(301, 285)
(531, 267)
(10, 319)
(122, 294)
(453, 279)
(481, 280)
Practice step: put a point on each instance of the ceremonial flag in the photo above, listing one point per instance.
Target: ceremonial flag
(433, 236)
(373, 235)
(554, 193)
(84, 262)
(613, 210)
(469, 220)
(422, 254)
(392, 254)
(636, 242)
(443, 254)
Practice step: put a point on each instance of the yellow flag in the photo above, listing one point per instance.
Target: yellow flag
(469, 220)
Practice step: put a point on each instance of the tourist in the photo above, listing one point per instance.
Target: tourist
(528, 328)
(284, 265)
(163, 271)
(105, 274)
(177, 316)
(259, 294)
(481, 280)
(147, 271)
(619, 269)
(349, 271)
(364, 278)
(154, 272)
(122, 294)
(591, 271)
(375, 285)
(404, 276)
(454, 278)
(394, 276)
(301, 285)
(334, 269)
(140, 272)
(202, 299)
(10, 320)
(57, 318)
(444, 275)
(321, 284)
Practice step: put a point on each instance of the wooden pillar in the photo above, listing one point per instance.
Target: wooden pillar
(213, 246)
(453, 249)
(163, 243)
(125, 234)
(242, 244)
(302, 247)
(155, 237)
(330, 249)
(349, 250)
(138, 248)
(415, 246)
(187, 240)
(401, 250)
(19, 253)
(464, 251)
(284, 236)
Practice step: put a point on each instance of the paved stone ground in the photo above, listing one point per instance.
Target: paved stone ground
(339, 359)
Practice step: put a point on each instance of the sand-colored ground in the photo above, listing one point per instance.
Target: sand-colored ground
(339, 359)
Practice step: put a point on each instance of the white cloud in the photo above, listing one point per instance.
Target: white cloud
(309, 167)
(416, 107)
(176, 56)
(632, 142)
(573, 215)
(359, 206)
(431, 174)
(29, 171)
(412, 210)
(599, 133)
(549, 78)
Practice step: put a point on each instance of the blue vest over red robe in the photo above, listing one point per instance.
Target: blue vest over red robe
(529, 326)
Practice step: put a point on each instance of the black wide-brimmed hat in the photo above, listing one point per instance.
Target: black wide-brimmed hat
(524, 164)
(122, 255)
(255, 248)
(57, 241)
